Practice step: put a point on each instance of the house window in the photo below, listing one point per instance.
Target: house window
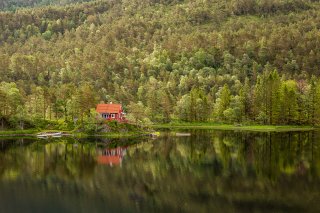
(104, 115)
(113, 115)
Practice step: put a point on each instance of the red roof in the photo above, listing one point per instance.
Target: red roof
(109, 108)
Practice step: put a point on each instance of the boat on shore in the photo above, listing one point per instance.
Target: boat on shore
(49, 135)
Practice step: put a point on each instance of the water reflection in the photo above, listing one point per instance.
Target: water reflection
(222, 171)
(112, 156)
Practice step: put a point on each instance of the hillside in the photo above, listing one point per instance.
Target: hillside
(15, 4)
(165, 60)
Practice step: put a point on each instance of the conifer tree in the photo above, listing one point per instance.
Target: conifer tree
(223, 101)
(313, 102)
(288, 100)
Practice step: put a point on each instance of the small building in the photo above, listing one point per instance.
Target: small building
(111, 111)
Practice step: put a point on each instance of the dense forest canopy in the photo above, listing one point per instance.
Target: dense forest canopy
(192, 60)
(14, 4)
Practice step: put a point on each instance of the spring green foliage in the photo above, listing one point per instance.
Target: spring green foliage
(228, 61)
(180, 126)
(14, 4)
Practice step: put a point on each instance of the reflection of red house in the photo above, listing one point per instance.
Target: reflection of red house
(112, 156)
(111, 111)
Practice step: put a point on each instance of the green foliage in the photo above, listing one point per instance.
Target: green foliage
(223, 103)
(47, 35)
(138, 113)
(14, 4)
(163, 60)
(289, 103)
(115, 126)
(194, 106)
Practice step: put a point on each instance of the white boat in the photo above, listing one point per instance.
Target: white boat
(49, 135)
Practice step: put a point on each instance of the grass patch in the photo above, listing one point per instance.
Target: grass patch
(33, 132)
(28, 132)
(259, 128)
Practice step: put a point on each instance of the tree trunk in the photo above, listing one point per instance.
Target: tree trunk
(65, 113)
(50, 112)
(21, 124)
(44, 108)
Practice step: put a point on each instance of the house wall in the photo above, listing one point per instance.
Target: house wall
(117, 116)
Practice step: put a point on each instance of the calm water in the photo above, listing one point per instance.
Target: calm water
(211, 171)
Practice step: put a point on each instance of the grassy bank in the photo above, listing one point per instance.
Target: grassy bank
(173, 126)
(110, 129)
(21, 133)
(29, 132)
(259, 128)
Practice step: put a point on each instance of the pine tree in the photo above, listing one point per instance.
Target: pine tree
(273, 96)
(246, 99)
(313, 102)
(289, 104)
(223, 102)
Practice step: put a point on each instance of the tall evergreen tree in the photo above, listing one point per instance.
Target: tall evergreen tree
(223, 101)
(313, 103)
(289, 104)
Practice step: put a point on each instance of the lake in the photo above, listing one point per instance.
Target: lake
(209, 171)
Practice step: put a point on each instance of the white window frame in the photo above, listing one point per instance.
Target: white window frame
(113, 115)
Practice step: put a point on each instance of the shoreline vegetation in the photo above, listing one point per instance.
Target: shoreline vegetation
(171, 61)
(111, 129)
(216, 126)
(173, 126)
(31, 133)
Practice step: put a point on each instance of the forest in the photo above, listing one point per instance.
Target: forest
(15, 4)
(232, 61)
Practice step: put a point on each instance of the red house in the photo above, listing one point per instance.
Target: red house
(111, 111)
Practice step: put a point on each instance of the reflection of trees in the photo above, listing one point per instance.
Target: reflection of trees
(240, 166)
(220, 170)
(69, 161)
(40, 159)
(243, 167)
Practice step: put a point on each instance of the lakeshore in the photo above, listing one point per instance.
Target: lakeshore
(117, 134)
(34, 133)
(215, 126)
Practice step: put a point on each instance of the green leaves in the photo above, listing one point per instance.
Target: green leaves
(188, 60)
